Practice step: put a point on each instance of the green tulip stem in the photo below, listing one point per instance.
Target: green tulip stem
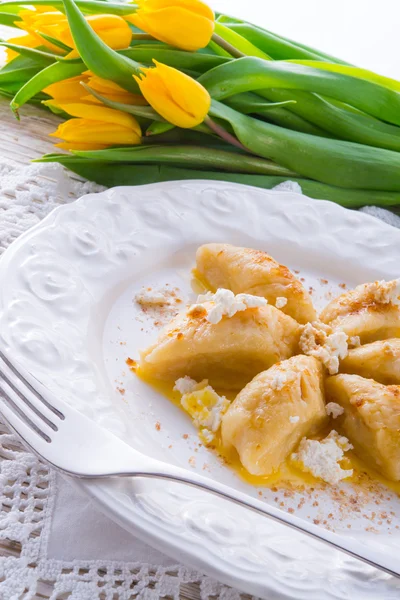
(227, 46)
(222, 133)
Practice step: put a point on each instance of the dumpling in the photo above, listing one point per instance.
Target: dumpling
(244, 270)
(379, 360)
(270, 416)
(228, 353)
(370, 311)
(371, 420)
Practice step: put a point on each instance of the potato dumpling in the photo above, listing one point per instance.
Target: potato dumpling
(378, 360)
(227, 353)
(244, 270)
(371, 420)
(270, 416)
(370, 311)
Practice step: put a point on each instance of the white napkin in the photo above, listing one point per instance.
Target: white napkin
(79, 531)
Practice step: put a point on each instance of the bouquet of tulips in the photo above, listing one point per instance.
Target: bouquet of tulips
(162, 90)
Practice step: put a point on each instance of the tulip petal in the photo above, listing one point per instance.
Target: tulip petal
(94, 112)
(114, 92)
(136, 100)
(176, 26)
(28, 40)
(97, 56)
(66, 91)
(105, 85)
(112, 29)
(190, 95)
(91, 131)
(194, 6)
(47, 76)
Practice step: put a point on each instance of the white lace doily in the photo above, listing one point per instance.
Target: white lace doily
(59, 546)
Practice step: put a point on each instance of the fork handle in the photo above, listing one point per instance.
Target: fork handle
(387, 562)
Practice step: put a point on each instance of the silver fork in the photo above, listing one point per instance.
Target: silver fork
(76, 446)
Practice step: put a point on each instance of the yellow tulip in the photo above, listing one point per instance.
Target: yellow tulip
(71, 90)
(95, 127)
(28, 40)
(68, 90)
(112, 29)
(177, 97)
(114, 92)
(36, 20)
(185, 24)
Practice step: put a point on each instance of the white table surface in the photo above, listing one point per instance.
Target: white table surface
(361, 32)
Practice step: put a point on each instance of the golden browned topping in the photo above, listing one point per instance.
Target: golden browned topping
(197, 311)
(373, 296)
(132, 364)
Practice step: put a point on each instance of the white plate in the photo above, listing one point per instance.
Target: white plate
(67, 311)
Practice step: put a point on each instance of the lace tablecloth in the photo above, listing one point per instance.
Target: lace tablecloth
(46, 527)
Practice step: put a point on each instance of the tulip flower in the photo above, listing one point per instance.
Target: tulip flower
(68, 90)
(29, 40)
(174, 95)
(113, 91)
(96, 127)
(102, 60)
(112, 29)
(28, 23)
(71, 90)
(185, 24)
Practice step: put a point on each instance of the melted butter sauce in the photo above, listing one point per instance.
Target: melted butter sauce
(199, 284)
(288, 476)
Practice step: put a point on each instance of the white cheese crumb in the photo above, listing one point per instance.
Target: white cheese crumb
(207, 297)
(280, 302)
(146, 298)
(203, 404)
(225, 303)
(295, 419)
(318, 340)
(334, 409)
(354, 341)
(185, 385)
(385, 292)
(281, 378)
(321, 459)
(206, 436)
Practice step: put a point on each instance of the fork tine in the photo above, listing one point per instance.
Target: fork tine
(26, 395)
(21, 424)
(33, 385)
(17, 387)
(18, 403)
